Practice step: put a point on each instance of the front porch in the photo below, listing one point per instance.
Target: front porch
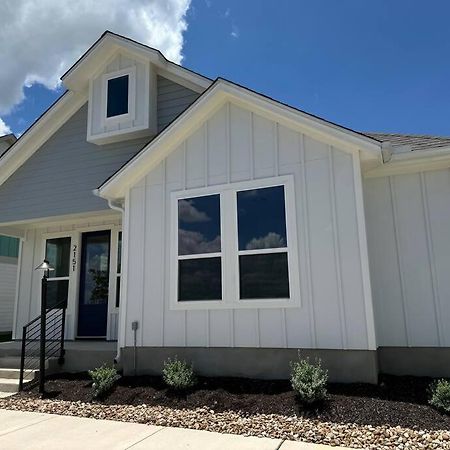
(85, 252)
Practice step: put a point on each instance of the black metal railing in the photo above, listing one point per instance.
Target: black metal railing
(42, 339)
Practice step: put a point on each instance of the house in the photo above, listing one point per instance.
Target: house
(198, 218)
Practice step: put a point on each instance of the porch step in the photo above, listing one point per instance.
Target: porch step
(9, 385)
(14, 374)
(13, 362)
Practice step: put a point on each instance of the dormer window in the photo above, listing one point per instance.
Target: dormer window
(117, 96)
(119, 92)
(116, 112)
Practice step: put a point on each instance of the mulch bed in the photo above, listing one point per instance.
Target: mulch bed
(396, 401)
(393, 414)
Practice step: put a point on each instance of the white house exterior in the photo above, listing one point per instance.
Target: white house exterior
(195, 217)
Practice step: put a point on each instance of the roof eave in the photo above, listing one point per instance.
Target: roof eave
(219, 93)
(77, 77)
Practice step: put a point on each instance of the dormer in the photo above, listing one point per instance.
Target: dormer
(122, 101)
(120, 78)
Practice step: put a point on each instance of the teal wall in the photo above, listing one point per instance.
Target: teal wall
(9, 246)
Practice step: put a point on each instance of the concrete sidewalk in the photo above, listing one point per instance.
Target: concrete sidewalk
(32, 431)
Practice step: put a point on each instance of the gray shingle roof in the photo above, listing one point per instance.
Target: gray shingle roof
(412, 142)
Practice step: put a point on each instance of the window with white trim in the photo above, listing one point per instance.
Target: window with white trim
(119, 96)
(236, 246)
(199, 249)
(57, 252)
(117, 92)
(262, 243)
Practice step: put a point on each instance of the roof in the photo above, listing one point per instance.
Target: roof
(412, 142)
(215, 96)
(108, 44)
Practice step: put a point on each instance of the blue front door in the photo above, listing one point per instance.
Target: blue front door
(94, 284)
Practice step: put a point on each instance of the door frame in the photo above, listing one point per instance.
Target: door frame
(74, 277)
(82, 279)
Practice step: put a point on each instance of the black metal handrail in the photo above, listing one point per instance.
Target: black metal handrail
(42, 339)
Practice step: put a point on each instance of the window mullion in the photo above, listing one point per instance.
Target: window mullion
(229, 245)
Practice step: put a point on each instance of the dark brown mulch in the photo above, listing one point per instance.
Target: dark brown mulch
(396, 401)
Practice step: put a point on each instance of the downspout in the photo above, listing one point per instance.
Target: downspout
(117, 206)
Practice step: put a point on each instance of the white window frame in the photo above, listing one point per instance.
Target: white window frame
(230, 249)
(131, 114)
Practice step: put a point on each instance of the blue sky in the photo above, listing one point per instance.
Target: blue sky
(377, 65)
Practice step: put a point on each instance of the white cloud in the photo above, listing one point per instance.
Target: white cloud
(270, 240)
(188, 213)
(194, 243)
(4, 129)
(42, 38)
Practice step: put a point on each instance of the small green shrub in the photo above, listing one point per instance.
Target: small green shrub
(440, 395)
(178, 375)
(309, 381)
(103, 379)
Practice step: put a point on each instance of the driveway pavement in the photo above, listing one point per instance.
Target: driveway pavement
(33, 431)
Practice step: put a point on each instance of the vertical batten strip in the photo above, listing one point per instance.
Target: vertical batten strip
(337, 251)
(277, 173)
(206, 144)
(306, 240)
(364, 253)
(228, 162)
(228, 142)
(252, 176)
(144, 239)
(399, 258)
(431, 260)
(164, 246)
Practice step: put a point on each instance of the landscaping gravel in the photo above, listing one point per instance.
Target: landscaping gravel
(394, 414)
(263, 425)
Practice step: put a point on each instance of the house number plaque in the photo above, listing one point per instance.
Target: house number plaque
(74, 257)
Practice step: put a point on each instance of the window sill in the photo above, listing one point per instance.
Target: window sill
(242, 304)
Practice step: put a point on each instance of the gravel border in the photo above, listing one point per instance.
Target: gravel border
(260, 425)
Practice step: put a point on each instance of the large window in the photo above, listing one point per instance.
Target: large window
(199, 249)
(236, 246)
(263, 262)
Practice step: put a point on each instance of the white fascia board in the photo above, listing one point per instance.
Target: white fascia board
(40, 132)
(77, 78)
(220, 93)
(413, 162)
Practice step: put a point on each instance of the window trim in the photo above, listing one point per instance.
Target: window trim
(186, 194)
(230, 248)
(131, 114)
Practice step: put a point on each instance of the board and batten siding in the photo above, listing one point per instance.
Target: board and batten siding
(8, 279)
(172, 100)
(408, 227)
(236, 145)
